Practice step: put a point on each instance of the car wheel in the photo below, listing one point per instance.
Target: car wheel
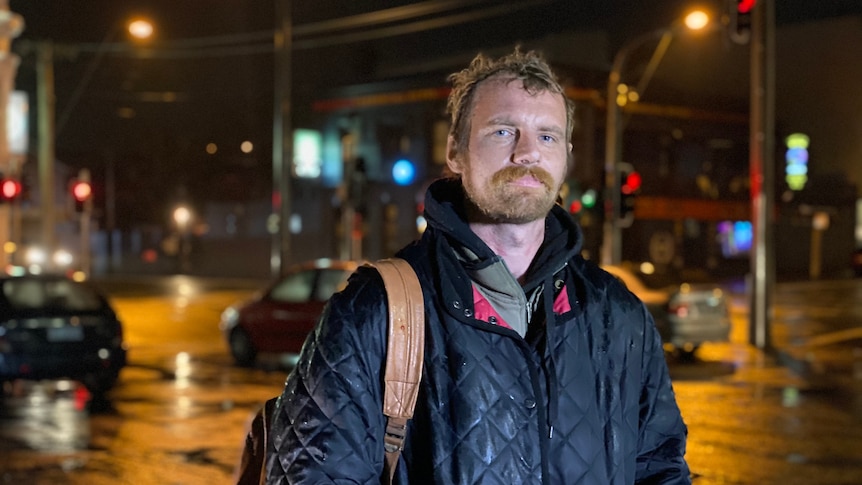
(241, 347)
(686, 354)
(101, 382)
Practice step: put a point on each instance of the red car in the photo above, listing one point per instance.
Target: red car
(278, 319)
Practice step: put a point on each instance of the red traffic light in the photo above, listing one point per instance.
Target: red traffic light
(631, 183)
(745, 6)
(10, 189)
(82, 191)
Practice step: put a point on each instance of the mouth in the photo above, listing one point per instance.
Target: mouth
(527, 181)
(524, 177)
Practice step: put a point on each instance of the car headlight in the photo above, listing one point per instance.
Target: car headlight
(229, 318)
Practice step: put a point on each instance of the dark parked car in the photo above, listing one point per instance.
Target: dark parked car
(52, 327)
(686, 315)
(278, 319)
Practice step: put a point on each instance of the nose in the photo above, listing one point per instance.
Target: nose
(526, 151)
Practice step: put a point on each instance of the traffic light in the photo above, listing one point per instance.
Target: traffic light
(588, 199)
(81, 193)
(10, 189)
(586, 202)
(630, 183)
(739, 20)
(796, 170)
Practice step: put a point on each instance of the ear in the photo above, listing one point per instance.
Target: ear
(453, 160)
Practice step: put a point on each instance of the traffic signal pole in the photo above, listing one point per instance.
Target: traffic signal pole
(762, 170)
(10, 26)
(85, 217)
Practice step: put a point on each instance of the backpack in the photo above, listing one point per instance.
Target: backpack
(404, 358)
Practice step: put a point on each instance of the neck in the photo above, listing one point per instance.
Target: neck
(517, 244)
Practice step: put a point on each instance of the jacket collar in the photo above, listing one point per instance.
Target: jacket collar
(444, 211)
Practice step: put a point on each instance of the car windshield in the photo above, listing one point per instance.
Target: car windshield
(331, 280)
(295, 288)
(27, 294)
(299, 287)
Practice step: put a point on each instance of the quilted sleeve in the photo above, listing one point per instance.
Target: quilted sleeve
(662, 434)
(328, 424)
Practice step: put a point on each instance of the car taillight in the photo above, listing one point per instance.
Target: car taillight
(678, 309)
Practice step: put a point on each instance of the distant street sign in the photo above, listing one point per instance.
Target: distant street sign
(661, 247)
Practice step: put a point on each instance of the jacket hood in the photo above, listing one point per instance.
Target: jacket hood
(445, 212)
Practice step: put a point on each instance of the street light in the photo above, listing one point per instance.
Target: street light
(618, 94)
(140, 28)
(137, 28)
(182, 216)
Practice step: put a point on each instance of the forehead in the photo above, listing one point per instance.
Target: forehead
(498, 96)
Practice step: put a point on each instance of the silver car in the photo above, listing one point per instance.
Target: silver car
(686, 315)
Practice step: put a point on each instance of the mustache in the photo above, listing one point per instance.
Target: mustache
(510, 174)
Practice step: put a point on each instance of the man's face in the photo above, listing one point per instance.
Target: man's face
(517, 151)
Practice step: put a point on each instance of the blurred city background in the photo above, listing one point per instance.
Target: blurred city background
(180, 132)
(185, 155)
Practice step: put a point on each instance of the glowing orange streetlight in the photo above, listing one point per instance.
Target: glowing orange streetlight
(140, 28)
(696, 20)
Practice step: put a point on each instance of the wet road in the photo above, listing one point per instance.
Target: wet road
(788, 416)
(180, 411)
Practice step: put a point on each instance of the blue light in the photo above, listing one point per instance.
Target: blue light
(796, 169)
(736, 238)
(743, 235)
(403, 172)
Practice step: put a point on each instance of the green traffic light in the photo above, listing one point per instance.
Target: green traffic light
(588, 199)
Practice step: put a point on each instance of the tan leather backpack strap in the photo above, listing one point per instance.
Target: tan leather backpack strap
(404, 356)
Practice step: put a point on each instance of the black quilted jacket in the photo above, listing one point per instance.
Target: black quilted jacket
(583, 398)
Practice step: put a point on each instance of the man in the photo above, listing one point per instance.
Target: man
(539, 367)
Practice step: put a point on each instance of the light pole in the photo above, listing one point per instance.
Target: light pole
(617, 95)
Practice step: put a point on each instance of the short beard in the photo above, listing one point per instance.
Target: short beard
(500, 202)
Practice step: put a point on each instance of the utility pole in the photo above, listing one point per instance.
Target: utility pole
(282, 141)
